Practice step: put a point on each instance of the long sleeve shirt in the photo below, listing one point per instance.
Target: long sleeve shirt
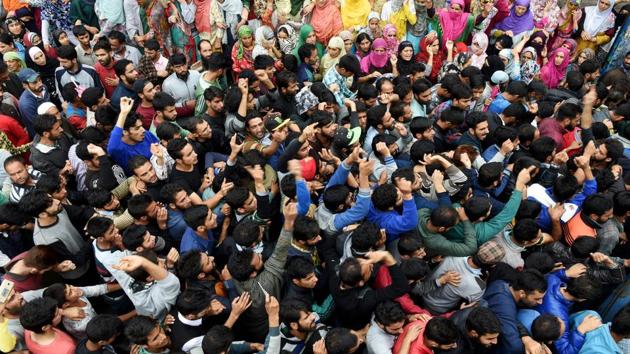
(395, 224)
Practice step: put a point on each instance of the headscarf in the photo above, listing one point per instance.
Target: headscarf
(538, 47)
(305, 30)
(328, 61)
(509, 67)
(482, 40)
(326, 20)
(16, 37)
(243, 32)
(48, 69)
(404, 66)
(518, 24)
(354, 13)
(453, 23)
(423, 56)
(565, 18)
(621, 18)
(375, 60)
(264, 37)
(14, 56)
(493, 63)
(529, 68)
(28, 39)
(552, 74)
(368, 30)
(288, 45)
(596, 21)
(588, 52)
(572, 44)
(392, 42)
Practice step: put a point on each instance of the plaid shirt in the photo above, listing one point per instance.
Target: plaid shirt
(333, 77)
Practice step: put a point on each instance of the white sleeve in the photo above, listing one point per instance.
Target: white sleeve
(188, 12)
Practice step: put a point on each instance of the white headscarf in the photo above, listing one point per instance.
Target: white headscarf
(33, 51)
(596, 21)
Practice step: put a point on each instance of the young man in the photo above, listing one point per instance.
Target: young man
(215, 67)
(380, 121)
(104, 66)
(308, 56)
(186, 172)
(153, 66)
(27, 268)
(121, 50)
(148, 213)
(85, 53)
(127, 76)
(433, 224)
(479, 330)
(146, 91)
(199, 236)
(165, 111)
(72, 71)
(101, 332)
(129, 137)
(516, 92)
(181, 83)
(101, 171)
(33, 95)
(300, 327)
(146, 334)
(427, 335)
(39, 318)
(335, 78)
(387, 325)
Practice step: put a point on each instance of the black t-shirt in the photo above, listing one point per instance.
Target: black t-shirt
(82, 349)
(154, 189)
(190, 181)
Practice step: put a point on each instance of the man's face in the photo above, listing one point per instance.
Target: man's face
(6, 48)
(189, 156)
(216, 105)
(394, 329)
(169, 113)
(205, 49)
(36, 87)
(149, 91)
(54, 208)
(428, 134)
(601, 153)
(136, 133)
(533, 299)
(148, 241)
(72, 293)
(362, 119)
(256, 128)
(67, 63)
(56, 131)
(117, 47)
(488, 340)
(463, 104)
(157, 340)
(307, 322)
(18, 173)
(312, 60)
(181, 69)
(329, 130)
(131, 74)
(250, 204)
(103, 57)
(603, 218)
(308, 282)
(387, 88)
(151, 54)
(203, 130)
(84, 40)
(112, 234)
(424, 97)
(182, 200)
(477, 92)
(388, 121)
(211, 220)
(14, 303)
(292, 89)
(626, 62)
(257, 262)
(481, 130)
(146, 173)
(207, 263)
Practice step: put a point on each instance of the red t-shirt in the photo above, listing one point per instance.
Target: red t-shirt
(62, 344)
(22, 282)
(106, 73)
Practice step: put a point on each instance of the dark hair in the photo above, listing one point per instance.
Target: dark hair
(117, 35)
(193, 300)
(365, 237)
(305, 51)
(169, 191)
(11, 214)
(584, 287)
(215, 62)
(69, 92)
(335, 196)
(454, 116)
(540, 261)
(529, 280)
(375, 115)
(98, 226)
(489, 173)
(138, 328)
(138, 204)
(483, 321)
(350, 63)
(525, 230)
(102, 44)
(213, 92)
(167, 131)
(305, 228)
(49, 183)
(477, 81)
(38, 313)
(263, 61)
(177, 59)
(137, 161)
(517, 88)
(415, 269)
(589, 66)
(13, 159)
(621, 203)
(99, 197)
(80, 30)
(461, 92)
(542, 148)
(568, 111)
(195, 216)
(161, 100)
(67, 52)
(217, 340)
(408, 243)
(575, 80)
(57, 292)
(340, 340)
(299, 267)
(441, 330)
(189, 265)
(367, 92)
(175, 147)
(584, 246)
(477, 207)
(44, 123)
(103, 328)
(35, 202)
(597, 204)
(388, 139)
(133, 236)
(91, 95)
(240, 264)
(419, 125)
(564, 187)
(476, 118)
(502, 133)
(384, 197)
(621, 322)
(546, 328)
(350, 272)
(389, 312)
(285, 78)
(41, 257)
(444, 217)
(290, 310)
(237, 197)
(152, 44)
(121, 67)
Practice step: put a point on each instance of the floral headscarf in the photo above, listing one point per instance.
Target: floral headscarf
(529, 68)
(478, 49)
(287, 45)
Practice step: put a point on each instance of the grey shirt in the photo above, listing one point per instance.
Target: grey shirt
(448, 297)
(179, 89)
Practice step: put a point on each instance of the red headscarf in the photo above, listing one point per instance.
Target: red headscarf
(423, 56)
(552, 74)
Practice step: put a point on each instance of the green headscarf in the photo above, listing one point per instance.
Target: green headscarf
(14, 56)
(244, 31)
(305, 30)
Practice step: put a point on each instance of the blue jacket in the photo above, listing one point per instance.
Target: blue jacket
(122, 152)
(501, 301)
(596, 341)
(554, 303)
(28, 108)
(120, 92)
(499, 104)
(394, 223)
(190, 242)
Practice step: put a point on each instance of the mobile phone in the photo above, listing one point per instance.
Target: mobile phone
(5, 290)
(263, 289)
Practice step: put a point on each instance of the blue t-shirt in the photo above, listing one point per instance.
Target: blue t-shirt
(190, 242)
(122, 152)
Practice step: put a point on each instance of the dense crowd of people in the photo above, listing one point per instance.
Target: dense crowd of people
(314, 176)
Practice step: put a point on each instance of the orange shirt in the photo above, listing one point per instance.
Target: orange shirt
(13, 5)
(62, 344)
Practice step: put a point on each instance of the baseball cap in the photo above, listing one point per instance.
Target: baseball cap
(276, 122)
(305, 100)
(139, 85)
(490, 253)
(345, 137)
(28, 75)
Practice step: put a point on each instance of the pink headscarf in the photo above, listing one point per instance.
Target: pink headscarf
(375, 60)
(453, 23)
(552, 74)
(392, 42)
(479, 44)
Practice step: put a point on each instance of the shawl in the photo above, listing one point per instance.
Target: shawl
(510, 68)
(529, 68)
(305, 30)
(518, 24)
(423, 56)
(479, 45)
(565, 18)
(391, 42)
(264, 38)
(368, 30)
(287, 45)
(545, 18)
(453, 24)
(375, 60)
(326, 20)
(552, 74)
(328, 61)
(244, 31)
(404, 66)
(354, 13)
(296, 7)
(14, 56)
(538, 47)
(571, 45)
(493, 63)
(57, 13)
(108, 10)
(596, 21)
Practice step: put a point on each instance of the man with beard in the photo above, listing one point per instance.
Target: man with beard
(54, 228)
(73, 71)
(299, 327)
(49, 152)
(282, 99)
(121, 50)
(33, 95)
(387, 325)
(181, 83)
(421, 97)
(380, 121)
(479, 330)
(127, 76)
(153, 65)
(215, 66)
(22, 179)
(324, 131)
(205, 49)
(477, 123)
(105, 66)
(256, 133)
(145, 179)
(215, 116)
(129, 137)
(567, 118)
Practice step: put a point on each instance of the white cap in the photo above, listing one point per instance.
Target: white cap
(45, 107)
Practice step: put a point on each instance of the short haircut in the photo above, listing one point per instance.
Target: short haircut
(305, 51)
(133, 236)
(177, 59)
(44, 123)
(263, 61)
(67, 52)
(41, 257)
(121, 67)
(385, 196)
(99, 197)
(138, 328)
(340, 341)
(291, 309)
(441, 330)
(175, 147)
(389, 312)
(305, 228)
(597, 204)
(217, 340)
(299, 267)
(215, 62)
(621, 322)
(530, 281)
(195, 216)
(189, 265)
(161, 100)
(103, 327)
(525, 230)
(138, 204)
(38, 313)
(193, 300)
(584, 287)
(117, 35)
(35, 202)
(483, 321)
(444, 217)
(546, 328)
(98, 226)
(152, 44)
